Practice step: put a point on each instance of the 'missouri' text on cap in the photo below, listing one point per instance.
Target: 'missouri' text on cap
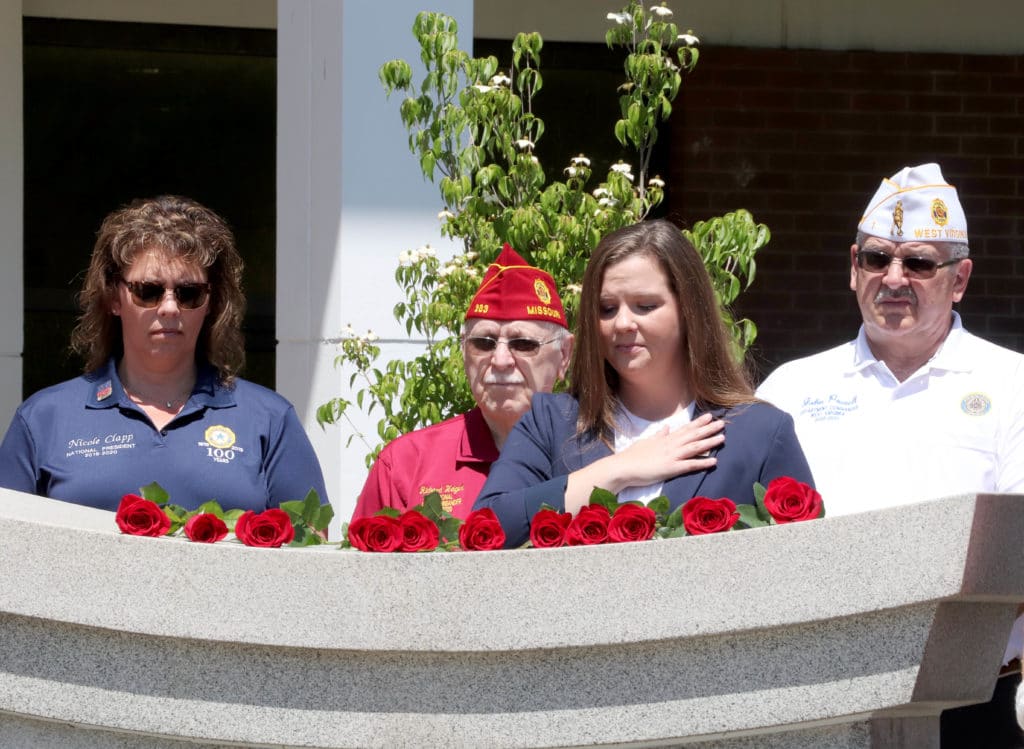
(514, 290)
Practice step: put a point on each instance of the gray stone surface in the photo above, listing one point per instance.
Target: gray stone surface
(848, 631)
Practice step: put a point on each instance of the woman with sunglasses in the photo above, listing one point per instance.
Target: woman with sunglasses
(161, 400)
(657, 404)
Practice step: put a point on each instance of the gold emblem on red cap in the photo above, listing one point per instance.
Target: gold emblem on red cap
(541, 290)
(509, 289)
(940, 214)
(897, 218)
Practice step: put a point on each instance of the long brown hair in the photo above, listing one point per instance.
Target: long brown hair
(712, 372)
(183, 229)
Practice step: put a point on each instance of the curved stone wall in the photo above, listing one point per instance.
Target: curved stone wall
(847, 631)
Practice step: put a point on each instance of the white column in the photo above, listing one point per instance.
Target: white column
(12, 292)
(350, 199)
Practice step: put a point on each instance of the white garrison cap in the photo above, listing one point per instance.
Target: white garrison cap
(915, 205)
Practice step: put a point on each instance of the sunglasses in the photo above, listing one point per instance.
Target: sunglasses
(521, 346)
(876, 261)
(149, 294)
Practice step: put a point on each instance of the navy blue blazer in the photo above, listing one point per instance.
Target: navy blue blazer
(543, 449)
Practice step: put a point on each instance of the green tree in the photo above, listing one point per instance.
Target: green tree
(474, 131)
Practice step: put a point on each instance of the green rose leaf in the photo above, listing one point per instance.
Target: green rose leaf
(749, 517)
(675, 518)
(212, 507)
(762, 512)
(178, 515)
(231, 517)
(605, 498)
(154, 493)
(659, 505)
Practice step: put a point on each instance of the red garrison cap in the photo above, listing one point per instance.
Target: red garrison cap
(514, 290)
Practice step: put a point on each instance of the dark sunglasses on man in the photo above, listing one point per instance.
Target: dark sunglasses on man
(876, 261)
(522, 346)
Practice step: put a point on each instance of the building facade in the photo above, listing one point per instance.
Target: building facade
(795, 111)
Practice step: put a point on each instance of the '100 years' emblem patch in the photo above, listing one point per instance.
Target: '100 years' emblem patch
(219, 436)
(220, 444)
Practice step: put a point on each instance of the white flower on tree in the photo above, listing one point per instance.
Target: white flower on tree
(624, 169)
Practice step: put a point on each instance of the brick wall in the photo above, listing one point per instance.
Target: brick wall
(802, 138)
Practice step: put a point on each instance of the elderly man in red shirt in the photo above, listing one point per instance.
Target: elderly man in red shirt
(515, 342)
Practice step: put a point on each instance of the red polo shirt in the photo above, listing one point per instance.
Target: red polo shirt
(452, 458)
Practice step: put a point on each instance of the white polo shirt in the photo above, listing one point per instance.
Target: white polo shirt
(954, 426)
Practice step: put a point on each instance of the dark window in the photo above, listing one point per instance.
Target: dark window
(579, 104)
(116, 111)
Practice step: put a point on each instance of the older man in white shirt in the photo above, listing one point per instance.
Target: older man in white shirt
(915, 407)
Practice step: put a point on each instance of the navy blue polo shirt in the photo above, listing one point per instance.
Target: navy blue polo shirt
(85, 441)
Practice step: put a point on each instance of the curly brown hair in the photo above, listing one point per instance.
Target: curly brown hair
(713, 374)
(185, 230)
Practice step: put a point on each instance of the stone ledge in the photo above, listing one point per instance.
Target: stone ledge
(833, 627)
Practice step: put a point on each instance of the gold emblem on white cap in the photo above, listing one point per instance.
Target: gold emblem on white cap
(915, 204)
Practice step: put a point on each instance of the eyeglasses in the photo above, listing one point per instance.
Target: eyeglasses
(521, 346)
(876, 261)
(149, 294)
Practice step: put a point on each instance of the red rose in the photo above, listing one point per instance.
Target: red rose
(704, 515)
(547, 529)
(205, 528)
(631, 523)
(140, 517)
(377, 533)
(590, 526)
(481, 531)
(268, 528)
(789, 501)
(419, 533)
